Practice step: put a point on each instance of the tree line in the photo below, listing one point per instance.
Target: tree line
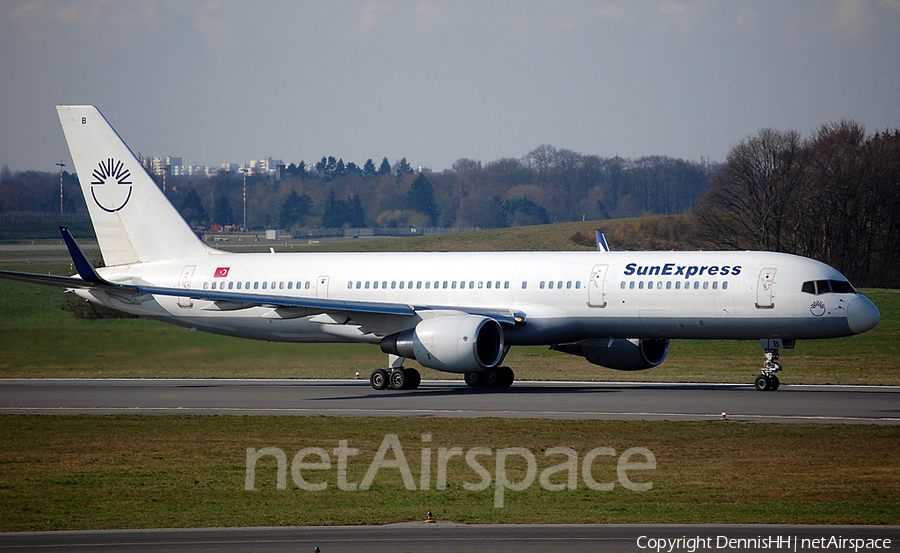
(547, 185)
(834, 196)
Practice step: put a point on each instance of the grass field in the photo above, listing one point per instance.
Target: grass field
(66, 473)
(38, 339)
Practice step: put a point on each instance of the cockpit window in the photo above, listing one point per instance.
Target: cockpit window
(819, 287)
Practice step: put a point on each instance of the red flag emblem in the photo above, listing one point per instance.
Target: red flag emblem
(222, 272)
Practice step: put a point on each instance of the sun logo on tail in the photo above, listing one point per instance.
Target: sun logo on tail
(111, 185)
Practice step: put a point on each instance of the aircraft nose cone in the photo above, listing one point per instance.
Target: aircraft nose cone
(862, 315)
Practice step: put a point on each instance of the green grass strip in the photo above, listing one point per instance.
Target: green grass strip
(90, 472)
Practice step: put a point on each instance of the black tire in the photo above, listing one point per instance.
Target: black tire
(379, 379)
(492, 378)
(397, 379)
(775, 383)
(413, 379)
(473, 380)
(763, 383)
(507, 377)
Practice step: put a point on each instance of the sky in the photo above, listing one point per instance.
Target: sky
(434, 81)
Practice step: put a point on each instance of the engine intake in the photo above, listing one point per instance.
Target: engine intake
(453, 343)
(619, 354)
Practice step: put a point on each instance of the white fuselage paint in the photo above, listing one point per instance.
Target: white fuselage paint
(593, 295)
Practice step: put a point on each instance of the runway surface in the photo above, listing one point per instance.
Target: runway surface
(548, 400)
(448, 537)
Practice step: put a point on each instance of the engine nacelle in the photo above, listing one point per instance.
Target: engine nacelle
(619, 354)
(454, 343)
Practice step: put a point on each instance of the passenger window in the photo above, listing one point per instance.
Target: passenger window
(427, 284)
(375, 285)
(471, 284)
(306, 285)
(668, 285)
(577, 284)
(524, 284)
(266, 284)
(550, 285)
(444, 285)
(230, 285)
(678, 285)
(247, 285)
(367, 285)
(349, 285)
(559, 285)
(696, 285)
(641, 285)
(480, 284)
(281, 285)
(299, 285)
(214, 285)
(622, 285)
(650, 285)
(725, 285)
(437, 284)
(290, 285)
(715, 285)
(358, 284)
(505, 284)
(659, 284)
(393, 284)
(205, 285)
(542, 285)
(239, 285)
(489, 285)
(418, 284)
(401, 284)
(452, 284)
(705, 285)
(631, 285)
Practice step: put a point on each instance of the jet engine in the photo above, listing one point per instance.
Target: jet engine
(453, 343)
(619, 354)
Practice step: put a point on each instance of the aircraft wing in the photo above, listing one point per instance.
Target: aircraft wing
(88, 278)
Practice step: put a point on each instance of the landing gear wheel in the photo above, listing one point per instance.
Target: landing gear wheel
(763, 383)
(492, 378)
(775, 382)
(398, 379)
(379, 379)
(473, 380)
(413, 379)
(507, 377)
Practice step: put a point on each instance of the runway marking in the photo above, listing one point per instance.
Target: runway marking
(733, 417)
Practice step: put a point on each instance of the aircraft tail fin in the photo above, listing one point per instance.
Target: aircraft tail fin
(132, 218)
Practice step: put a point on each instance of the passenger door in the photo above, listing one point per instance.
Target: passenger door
(597, 286)
(765, 289)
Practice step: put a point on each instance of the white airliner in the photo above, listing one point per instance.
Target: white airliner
(454, 312)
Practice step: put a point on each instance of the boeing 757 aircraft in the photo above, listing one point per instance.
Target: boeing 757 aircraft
(454, 312)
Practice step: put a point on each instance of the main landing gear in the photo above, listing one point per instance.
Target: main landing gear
(768, 381)
(395, 378)
(501, 377)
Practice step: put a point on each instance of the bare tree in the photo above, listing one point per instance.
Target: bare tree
(753, 201)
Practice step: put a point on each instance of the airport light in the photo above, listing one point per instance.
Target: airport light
(61, 165)
(244, 171)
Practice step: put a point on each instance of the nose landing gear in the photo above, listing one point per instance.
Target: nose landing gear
(768, 381)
